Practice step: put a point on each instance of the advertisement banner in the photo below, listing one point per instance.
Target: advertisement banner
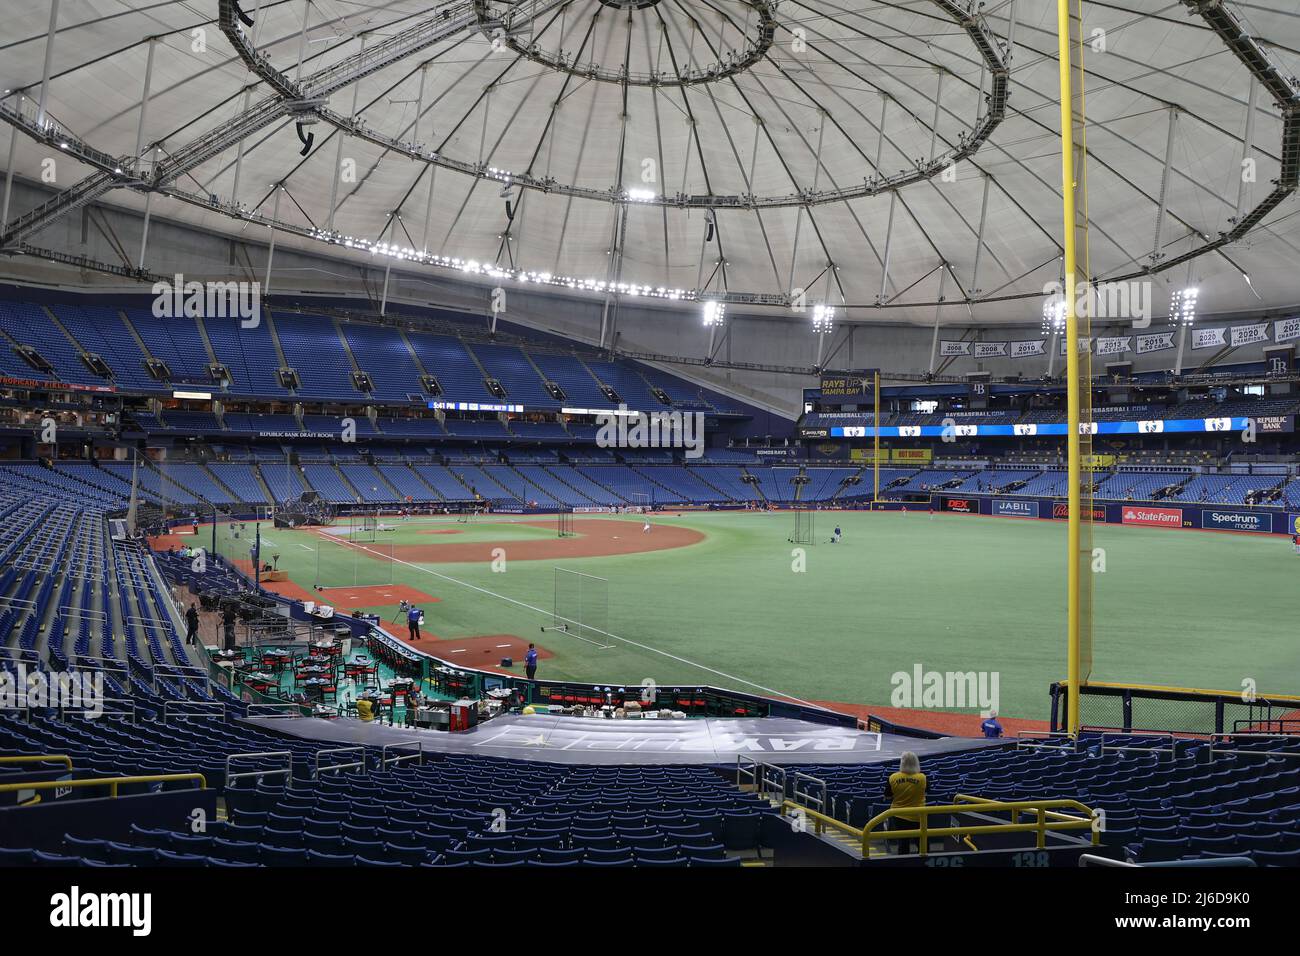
(828, 451)
(1152, 517)
(964, 506)
(1275, 423)
(1015, 509)
(1061, 510)
(1236, 520)
(867, 456)
(1098, 461)
(844, 386)
(925, 455)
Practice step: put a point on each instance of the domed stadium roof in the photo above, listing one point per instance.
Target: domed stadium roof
(879, 155)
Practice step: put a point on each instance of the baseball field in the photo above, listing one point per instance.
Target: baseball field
(727, 599)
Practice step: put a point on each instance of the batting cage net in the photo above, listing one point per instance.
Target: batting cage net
(581, 606)
(804, 531)
(343, 562)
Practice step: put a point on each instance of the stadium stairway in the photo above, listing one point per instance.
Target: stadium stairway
(702, 475)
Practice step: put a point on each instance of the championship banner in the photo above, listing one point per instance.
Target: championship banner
(1085, 345)
(1286, 330)
(954, 348)
(844, 386)
(1155, 343)
(1208, 338)
(990, 349)
(1152, 517)
(1028, 348)
(1249, 334)
(1115, 346)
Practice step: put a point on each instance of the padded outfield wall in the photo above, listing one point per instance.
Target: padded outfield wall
(1150, 514)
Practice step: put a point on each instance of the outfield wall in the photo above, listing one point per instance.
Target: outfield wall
(1145, 513)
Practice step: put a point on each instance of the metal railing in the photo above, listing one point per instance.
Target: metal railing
(171, 705)
(1172, 740)
(418, 756)
(113, 783)
(1214, 738)
(820, 821)
(1092, 859)
(1040, 739)
(1047, 818)
(286, 771)
(318, 769)
(807, 797)
(39, 758)
(294, 710)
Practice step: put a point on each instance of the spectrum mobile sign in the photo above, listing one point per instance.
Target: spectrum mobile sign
(1236, 520)
(1153, 517)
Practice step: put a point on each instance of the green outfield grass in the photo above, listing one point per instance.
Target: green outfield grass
(948, 592)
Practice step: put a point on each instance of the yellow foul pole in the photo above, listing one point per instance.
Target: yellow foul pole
(875, 469)
(1071, 365)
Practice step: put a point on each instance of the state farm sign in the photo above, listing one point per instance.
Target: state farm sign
(1156, 517)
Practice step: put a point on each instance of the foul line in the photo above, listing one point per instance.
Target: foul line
(615, 637)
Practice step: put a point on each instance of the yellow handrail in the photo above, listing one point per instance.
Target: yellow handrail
(41, 758)
(111, 782)
(821, 820)
(1047, 817)
(1173, 689)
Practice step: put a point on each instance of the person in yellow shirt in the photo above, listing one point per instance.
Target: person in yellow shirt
(365, 709)
(906, 788)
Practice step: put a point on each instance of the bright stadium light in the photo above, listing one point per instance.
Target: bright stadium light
(714, 312)
(1054, 315)
(823, 318)
(1182, 307)
(641, 195)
